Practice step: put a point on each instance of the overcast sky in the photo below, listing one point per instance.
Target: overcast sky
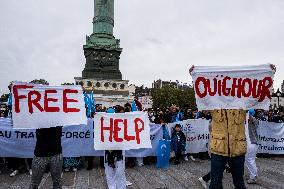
(160, 38)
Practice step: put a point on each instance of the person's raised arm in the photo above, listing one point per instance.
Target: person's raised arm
(191, 69)
(273, 67)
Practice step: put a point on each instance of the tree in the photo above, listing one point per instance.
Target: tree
(40, 81)
(167, 95)
(4, 97)
(66, 83)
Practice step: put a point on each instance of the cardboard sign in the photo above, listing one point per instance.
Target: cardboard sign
(43, 106)
(246, 87)
(121, 131)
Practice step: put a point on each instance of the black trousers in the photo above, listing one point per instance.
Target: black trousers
(207, 177)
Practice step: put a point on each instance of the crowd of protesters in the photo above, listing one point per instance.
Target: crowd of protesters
(173, 114)
(52, 160)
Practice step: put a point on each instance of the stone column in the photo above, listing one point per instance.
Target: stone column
(103, 21)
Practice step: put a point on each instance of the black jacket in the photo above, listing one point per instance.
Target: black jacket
(48, 142)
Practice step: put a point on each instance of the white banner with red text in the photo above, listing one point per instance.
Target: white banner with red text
(76, 141)
(43, 106)
(79, 141)
(122, 131)
(238, 87)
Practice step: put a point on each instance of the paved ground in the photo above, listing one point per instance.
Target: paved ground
(184, 175)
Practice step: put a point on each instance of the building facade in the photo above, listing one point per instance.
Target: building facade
(277, 99)
(157, 84)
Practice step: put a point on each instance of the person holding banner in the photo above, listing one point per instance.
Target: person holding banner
(48, 152)
(114, 163)
(10, 101)
(228, 92)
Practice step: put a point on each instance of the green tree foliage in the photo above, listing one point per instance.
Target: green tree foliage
(67, 83)
(40, 81)
(4, 97)
(168, 95)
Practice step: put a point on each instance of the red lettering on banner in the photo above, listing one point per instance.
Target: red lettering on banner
(47, 108)
(265, 92)
(137, 129)
(17, 97)
(258, 89)
(249, 88)
(116, 129)
(234, 87)
(34, 101)
(126, 136)
(220, 86)
(226, 91)
(210, 91)
(197, 82)
(34, 97)
(255, 91)
(239, 89)
(66, 100)
(110, 129)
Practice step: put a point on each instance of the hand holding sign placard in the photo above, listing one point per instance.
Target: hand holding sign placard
(121, 131)
(43, 106)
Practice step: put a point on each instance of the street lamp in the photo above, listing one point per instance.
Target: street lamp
(278, 94)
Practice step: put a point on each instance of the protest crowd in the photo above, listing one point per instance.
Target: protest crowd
(48, 150)
(156, 115)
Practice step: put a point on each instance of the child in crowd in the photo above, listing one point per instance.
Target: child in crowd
(178, 143)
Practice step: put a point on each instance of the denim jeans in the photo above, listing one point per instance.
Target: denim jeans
(237, 170)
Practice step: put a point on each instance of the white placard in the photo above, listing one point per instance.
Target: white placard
(239, 87)
(123, 131)
(43, 106)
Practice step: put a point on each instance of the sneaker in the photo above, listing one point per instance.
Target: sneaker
(203, 183)
(14, 173)
(140, 164)
(192, 158)
(227, 169)
(75, 169)
(251, 181)
(31, 172)
(185, 158)
(128, 183)
(66, 170)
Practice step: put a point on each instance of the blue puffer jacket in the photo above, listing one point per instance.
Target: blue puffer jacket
(178, 144)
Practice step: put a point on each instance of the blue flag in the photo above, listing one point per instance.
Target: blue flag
(10, 99)
(163, 154)
(134, 107)
(90, 103)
